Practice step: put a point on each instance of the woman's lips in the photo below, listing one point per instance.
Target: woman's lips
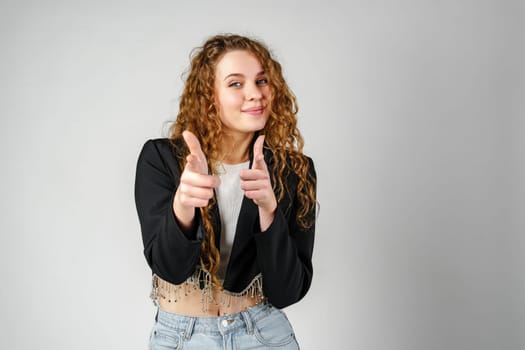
(254, 110)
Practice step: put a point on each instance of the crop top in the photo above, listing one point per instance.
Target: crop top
(229, 199)
(281, 255)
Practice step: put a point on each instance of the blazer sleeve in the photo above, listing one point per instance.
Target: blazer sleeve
(171, 253)
(284, 254)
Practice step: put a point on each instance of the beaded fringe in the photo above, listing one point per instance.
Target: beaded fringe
(172, 292)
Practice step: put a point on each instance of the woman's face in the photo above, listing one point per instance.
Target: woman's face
(242, 93)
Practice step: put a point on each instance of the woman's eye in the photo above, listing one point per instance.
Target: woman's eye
(234, 84)
(262, 81)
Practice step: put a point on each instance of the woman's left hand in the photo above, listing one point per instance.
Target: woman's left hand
(257, 186)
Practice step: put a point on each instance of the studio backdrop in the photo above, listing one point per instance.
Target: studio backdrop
(413, 112)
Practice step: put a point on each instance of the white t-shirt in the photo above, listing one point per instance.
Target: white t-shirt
(229, 199)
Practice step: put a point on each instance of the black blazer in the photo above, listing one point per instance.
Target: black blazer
(283, 253)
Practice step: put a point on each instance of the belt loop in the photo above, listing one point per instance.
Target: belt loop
(189, 329)
(248, 321)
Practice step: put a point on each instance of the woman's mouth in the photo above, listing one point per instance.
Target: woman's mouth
(254, 110)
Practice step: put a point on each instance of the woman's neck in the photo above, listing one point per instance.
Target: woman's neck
(236, 148)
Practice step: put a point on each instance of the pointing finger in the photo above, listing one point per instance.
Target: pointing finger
(253, 174)
(199, 180)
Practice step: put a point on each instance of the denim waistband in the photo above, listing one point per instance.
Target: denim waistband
(214, 325)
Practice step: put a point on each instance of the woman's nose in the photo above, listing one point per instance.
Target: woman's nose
(253, 92)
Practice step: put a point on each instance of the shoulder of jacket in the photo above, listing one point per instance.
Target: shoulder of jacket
(164, 144)
(160, 148)
(158, 142)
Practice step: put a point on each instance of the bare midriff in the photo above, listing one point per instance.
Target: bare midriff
(190, 303)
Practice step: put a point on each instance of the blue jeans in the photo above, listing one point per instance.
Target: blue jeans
(258, 327)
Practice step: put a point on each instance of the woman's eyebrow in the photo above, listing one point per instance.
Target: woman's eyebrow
(241, 75)
(233, 75)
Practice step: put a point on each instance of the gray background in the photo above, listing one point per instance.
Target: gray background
(413, 112)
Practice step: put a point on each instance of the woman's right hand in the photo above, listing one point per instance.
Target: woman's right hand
(196, 185)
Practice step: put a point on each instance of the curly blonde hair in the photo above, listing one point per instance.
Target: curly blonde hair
(199, 114)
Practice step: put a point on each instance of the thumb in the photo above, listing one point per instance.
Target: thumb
(192, 162)
(258, 157)
(198, 159)
(192, 142)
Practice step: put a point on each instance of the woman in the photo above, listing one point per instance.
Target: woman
(227, 205)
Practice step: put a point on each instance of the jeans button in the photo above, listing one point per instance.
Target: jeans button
(224, 323)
